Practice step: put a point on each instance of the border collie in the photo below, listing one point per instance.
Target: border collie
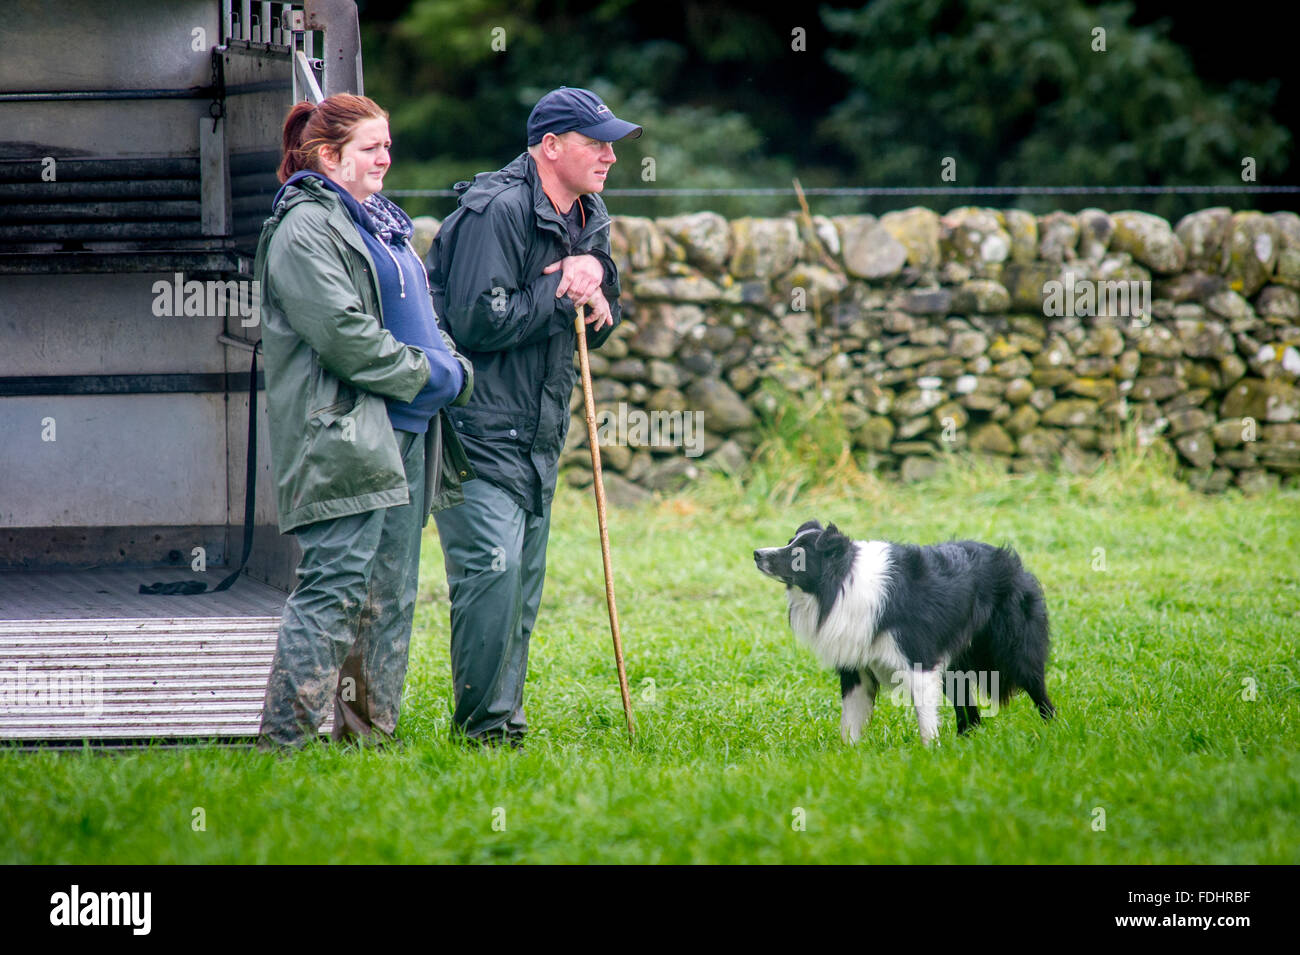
(902, 615)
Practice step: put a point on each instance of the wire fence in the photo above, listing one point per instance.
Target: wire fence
(857, 191)
(1171, 202)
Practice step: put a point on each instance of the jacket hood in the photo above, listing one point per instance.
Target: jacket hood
(377, 215)
(488, 185)
(300, 187)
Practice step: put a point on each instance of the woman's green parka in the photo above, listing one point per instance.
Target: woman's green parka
(329, 365)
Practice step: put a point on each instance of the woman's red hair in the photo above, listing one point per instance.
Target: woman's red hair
(331, 122)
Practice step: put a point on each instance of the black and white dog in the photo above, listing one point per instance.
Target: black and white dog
(904, 615)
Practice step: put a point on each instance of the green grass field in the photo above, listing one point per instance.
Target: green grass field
(1175, 620)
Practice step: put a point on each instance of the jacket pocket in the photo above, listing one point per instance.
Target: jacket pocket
(328, 415)
(351, 451)
(497, 425)
(331, 398)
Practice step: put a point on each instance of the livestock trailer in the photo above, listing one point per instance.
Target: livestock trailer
(140, 142)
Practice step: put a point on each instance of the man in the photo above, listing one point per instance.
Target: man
(526, 246)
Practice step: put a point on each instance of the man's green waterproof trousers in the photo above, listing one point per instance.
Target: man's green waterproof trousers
(495, 556)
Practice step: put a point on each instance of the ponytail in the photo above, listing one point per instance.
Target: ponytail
(292, 158)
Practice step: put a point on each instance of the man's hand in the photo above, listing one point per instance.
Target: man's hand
(582, 276)
(598, 313)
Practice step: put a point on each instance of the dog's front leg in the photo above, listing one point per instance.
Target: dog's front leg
(857, 699)
(926, 690)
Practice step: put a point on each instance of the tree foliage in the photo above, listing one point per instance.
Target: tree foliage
(1014, 92)
(1039, 92)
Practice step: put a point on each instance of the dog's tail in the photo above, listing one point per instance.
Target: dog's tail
(1021, 637)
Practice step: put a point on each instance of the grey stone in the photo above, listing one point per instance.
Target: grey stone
(1149, 239)
(936, 301)
(983, 296)
(1261, 399)
(1250, 251)
(626, 369)
(1190, 420)
(1156, 388)
(640, 240)
(1023, 229)
(425, 231)
(671, 474)
(1230, 305)
(1096, 228)
(729, 458)
(706, 237)
(917, 230)
(991, 438)
(1197, 448)
(974, 237)
(621, 492)
(1277, 301)
(762, 248)
(724, 410)
(1072, 412)
(876, 435)
(869, 250)
(1202, 234)
(1058, 235)
(681, 288)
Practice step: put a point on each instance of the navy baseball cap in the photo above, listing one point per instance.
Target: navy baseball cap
(570, 109)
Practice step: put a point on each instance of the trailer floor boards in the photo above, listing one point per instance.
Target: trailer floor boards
(84, 655)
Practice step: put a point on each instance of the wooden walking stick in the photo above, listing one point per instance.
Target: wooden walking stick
(590, 405)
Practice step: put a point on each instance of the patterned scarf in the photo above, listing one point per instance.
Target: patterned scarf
(391, 223)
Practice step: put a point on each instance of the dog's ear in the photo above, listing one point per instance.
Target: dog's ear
(808, 525)
(832, 540)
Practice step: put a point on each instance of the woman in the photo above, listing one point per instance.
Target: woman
(357, 377)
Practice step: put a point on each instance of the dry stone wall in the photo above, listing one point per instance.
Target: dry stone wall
(1026, 339)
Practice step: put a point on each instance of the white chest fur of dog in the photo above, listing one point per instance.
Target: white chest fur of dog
(850, 639)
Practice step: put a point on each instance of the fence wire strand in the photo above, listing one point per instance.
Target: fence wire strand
(910, 191)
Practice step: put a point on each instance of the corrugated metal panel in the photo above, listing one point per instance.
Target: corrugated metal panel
(76, 669)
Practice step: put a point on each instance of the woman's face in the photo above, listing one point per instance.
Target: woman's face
(364, 160)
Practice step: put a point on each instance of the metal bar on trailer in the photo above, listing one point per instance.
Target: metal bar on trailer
(308, 75)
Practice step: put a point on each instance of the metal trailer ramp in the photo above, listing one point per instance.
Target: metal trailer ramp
(85, 656)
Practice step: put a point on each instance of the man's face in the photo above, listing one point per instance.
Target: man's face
(582, 162)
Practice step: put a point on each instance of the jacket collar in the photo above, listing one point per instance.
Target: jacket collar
(308, 186)
(376, 215)
(523, 171)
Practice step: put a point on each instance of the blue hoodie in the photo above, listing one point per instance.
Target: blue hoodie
(405, 299)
